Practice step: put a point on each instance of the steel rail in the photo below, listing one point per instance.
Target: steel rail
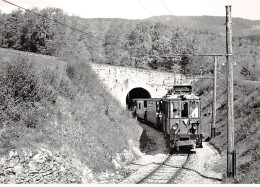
(164, 163)
(179, 170)
(151, 173)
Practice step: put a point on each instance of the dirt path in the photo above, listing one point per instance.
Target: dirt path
(200, 167)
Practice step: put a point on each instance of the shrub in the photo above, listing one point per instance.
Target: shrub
(26, 98)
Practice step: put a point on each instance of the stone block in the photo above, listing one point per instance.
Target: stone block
(18, 169)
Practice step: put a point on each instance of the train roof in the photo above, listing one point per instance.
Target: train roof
(178, 89)
(181, 96)
(147, 99)
(182, 85)
(171, 97)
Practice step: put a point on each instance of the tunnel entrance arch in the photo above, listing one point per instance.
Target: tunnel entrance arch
(136, 93)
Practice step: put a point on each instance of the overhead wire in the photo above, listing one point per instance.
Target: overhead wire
(166, 7)
(156, 56)
(153, 16)
(151, 13)
(75, 29)
(163, 4)
(72, 28)
(145, 7)
(190, 56)
(56, 21)
(63, 24)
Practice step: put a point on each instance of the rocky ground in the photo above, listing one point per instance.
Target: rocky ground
(42, 166)
(46, 167)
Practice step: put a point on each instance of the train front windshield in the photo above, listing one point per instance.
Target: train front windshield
(184, 109)
(175, 111)
(194, 109)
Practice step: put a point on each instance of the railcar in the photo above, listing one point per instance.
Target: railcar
(182, 118)
(149, 110)
(178, 114)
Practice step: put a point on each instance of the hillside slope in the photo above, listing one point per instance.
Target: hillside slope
(241, 27)
(48, 104)
(247, 128)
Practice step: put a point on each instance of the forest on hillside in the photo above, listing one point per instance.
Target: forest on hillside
(135, 43)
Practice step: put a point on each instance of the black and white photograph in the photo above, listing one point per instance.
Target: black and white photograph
(129, 92)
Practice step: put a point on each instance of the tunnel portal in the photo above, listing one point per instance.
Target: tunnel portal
(136, 93)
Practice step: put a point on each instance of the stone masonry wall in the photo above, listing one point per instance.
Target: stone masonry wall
(119, 81)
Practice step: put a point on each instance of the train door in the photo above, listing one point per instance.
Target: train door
(158, 113)
(145, 110)
(184, 121)
(174, 117)
(195, 116)
(139, 109)
(165, 116)
(139, 105)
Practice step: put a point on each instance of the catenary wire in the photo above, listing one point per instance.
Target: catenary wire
(163, 4)
(90, 47)
(56, 21)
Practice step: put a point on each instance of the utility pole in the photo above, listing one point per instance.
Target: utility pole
(231, 153)
(213, 127)
(174, 76)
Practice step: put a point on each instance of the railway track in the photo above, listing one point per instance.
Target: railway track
(167, 171)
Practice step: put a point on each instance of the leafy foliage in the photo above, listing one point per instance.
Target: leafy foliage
(23, 92)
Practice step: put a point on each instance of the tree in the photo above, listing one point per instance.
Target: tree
(11, 31)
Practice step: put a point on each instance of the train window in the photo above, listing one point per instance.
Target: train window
(160, 105)
(157, 106)
(175, 112)
(194, 109)
(184, 109)
(139, 105)
(165, 110)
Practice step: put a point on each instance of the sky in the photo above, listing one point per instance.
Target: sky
(140, 9)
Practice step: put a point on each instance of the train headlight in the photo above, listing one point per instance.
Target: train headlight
(194, 126)
(175, 126)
